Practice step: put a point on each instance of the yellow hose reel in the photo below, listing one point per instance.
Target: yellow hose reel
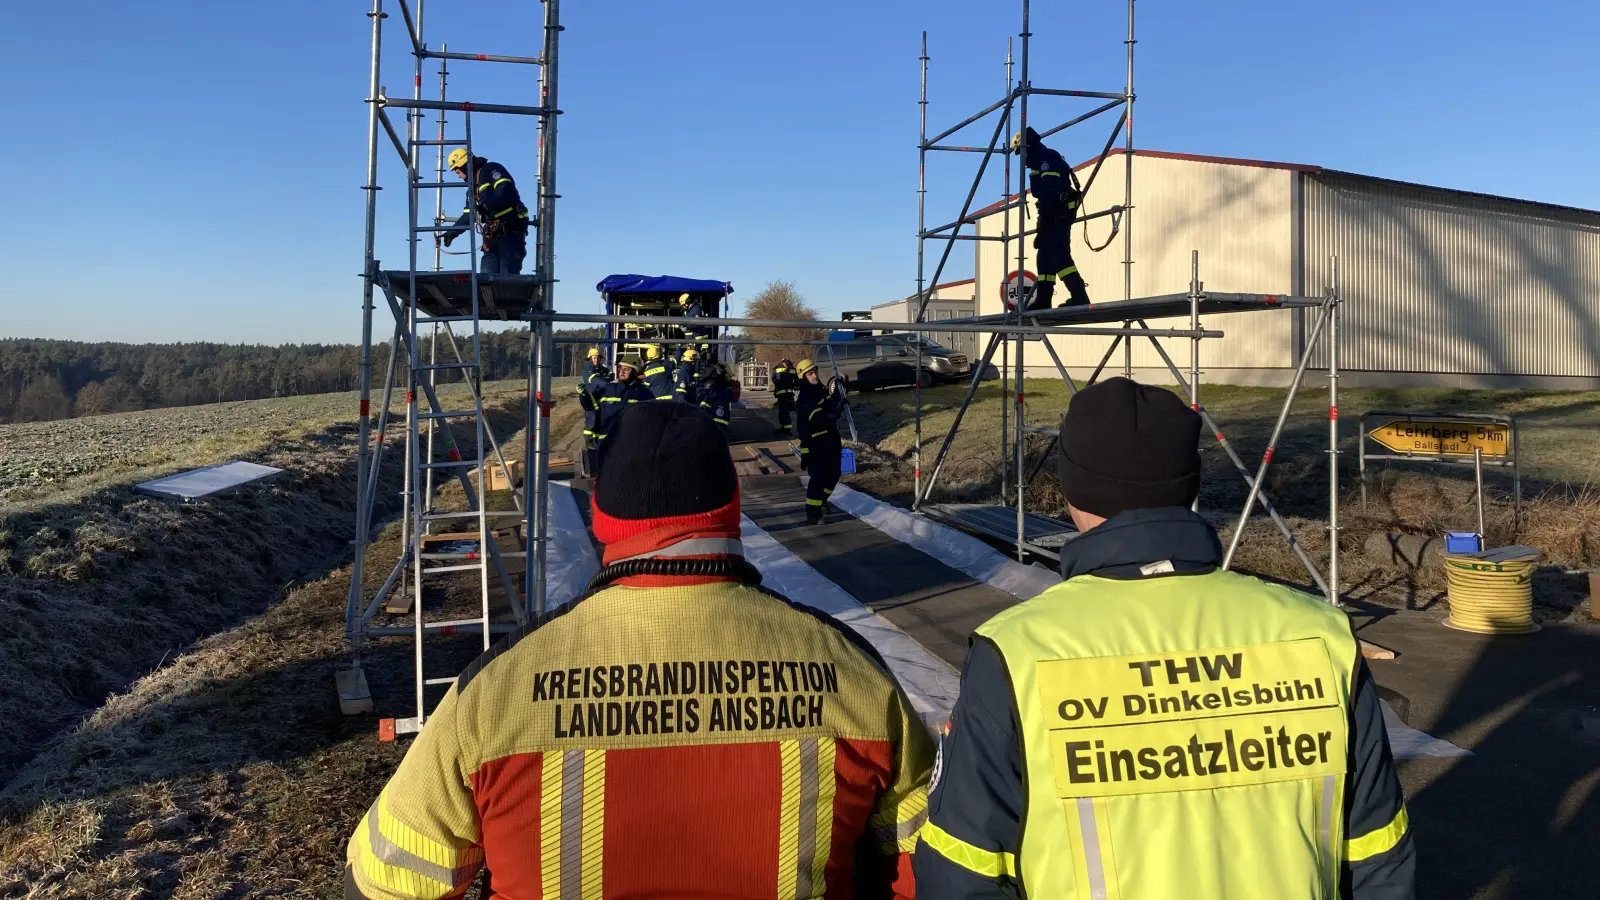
(1492, 592)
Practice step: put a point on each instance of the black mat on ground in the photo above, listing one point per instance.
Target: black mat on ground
(933, 603)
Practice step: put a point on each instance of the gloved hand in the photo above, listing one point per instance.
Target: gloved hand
(803, 461)
(450, 236)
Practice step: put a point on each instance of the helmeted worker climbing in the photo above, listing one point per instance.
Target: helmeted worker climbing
(1050, 182)
(687, 376)
(659, 374)
(819, 407)
(594, 383)
(784, 382)
(502, 218)
(618, 395)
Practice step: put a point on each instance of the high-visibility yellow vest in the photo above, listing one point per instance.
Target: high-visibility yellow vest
(1182, 737)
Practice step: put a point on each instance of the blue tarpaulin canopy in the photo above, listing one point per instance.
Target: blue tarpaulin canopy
(660, 284)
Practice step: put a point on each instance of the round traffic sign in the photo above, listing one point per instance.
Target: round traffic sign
(1017, 283)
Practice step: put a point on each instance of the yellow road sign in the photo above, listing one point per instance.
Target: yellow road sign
(1428, 436)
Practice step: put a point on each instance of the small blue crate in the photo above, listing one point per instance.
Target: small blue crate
(847, 461)
(1462, 542)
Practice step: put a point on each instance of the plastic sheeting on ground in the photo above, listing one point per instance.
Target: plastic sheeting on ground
(962, 552)
(929, 681)
(570, 560)
(197, 483)
(1409, 743)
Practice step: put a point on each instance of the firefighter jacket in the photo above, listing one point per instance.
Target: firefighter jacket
(589, 388)
(1050, 182)
(817, 410)
(660, 376)
(699, 740)
(686, 378)
(716, 398)
(1154, 727)
(614, 399)
(499, 204)
(784, 381)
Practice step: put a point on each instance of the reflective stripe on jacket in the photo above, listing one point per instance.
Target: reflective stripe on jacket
(817, 416)
(614, 399)
(750, 748)
(1154, 727)
(658, 376)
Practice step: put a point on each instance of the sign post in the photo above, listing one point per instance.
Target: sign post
(1464, 440)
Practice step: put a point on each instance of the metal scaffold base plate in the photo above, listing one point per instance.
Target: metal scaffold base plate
(450, 293)
(1041, 534)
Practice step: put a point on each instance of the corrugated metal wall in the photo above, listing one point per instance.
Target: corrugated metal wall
(1238, 217)
(1440, 282)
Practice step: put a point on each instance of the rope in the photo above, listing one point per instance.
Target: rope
(1491, 597)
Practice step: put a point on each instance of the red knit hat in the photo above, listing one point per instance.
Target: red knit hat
(666, 487)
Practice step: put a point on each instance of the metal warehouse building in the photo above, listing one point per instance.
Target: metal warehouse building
(951, 300)
(1441, 287)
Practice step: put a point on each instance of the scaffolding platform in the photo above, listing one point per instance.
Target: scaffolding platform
(1041, 534)
(1166, 306)
(450, 293)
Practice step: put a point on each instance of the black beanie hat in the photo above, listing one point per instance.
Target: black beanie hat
(1125, 445)
(664, 469)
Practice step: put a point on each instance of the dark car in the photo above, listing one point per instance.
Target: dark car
(867, 361)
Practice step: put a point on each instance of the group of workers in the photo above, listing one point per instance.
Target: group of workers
(1152, 727)
(604, 395)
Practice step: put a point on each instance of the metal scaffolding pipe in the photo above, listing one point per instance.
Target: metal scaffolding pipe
(1277, 431)
(463, 106)
(950, 325)
(369, 269)
(483, 57)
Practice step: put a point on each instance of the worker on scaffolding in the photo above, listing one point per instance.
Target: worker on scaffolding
(502, 219)
(693, 309)
(677, 731)
(784, 382)
(659, 373)
(590, 387)
(715, 394)
(1057, 199)
(819, 408)
(687, 377)
(1156, 726)
(617, 396)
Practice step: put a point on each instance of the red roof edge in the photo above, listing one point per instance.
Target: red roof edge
(955, 283)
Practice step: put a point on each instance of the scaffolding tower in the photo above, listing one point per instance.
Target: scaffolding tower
(435, 299)
(429, 302)
(1033, 534)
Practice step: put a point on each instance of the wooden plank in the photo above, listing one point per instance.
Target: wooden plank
(777, 468)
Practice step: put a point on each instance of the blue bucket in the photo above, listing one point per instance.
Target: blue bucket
(847, 461)
(1462, 542)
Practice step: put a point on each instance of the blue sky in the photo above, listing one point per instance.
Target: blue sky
(188, 170)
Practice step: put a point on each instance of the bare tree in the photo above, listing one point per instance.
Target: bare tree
(779, 300)
(43, 400)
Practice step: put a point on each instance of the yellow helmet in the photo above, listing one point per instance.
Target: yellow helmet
(652, 352)
(458, 158)
(594, 353)
(805, 366)
(1016, 142)
(689, 354)
(683, 299)
(630, 360)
